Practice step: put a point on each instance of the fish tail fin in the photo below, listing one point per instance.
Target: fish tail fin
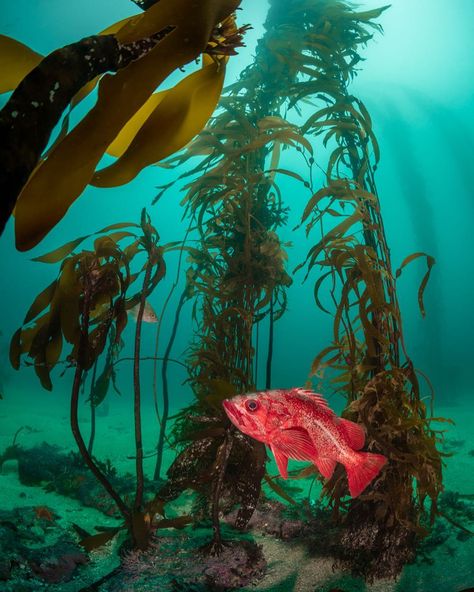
(362, 469)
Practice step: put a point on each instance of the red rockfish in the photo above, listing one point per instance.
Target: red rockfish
(298, 424)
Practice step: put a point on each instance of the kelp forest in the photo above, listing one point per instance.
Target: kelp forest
(224, 149)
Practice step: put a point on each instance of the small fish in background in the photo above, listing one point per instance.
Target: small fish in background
(297, 423)
(149, 315)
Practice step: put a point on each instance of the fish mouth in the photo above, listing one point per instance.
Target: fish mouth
(232, 412)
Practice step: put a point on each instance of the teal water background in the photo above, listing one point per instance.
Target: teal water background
(417, 82)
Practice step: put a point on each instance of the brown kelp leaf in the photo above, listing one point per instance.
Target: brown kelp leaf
(279, 490)
(430, 261)
(53, 349)
(178, 522)
(49, 192)
(369, 15)
(288, 173)
(15, 349)
(40, 302)
(61, 252)
(101, 386)
(318, 360)
(16, 61)
(118, 225)
(179, 116)
(69, 316)
(95, 541)
(130, 129)
(334, 233)
(421, 290)
(42, 372)
(80, 531)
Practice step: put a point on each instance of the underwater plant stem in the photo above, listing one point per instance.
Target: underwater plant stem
(268, 376)
(137, 393)
(92, 404)
(164, 382)
(143, 358)
(221, 466)
(74, 414)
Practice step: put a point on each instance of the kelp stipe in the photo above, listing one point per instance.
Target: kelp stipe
(85, 305)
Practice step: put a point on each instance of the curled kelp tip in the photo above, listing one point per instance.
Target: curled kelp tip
(226, 38)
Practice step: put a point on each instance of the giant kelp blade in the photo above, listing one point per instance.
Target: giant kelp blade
(54, 348)
(181, 113)
(95, 541)
(130, 129)
(40, 302)
(369, 15)
(279, 490)
(16, 61)
(61, 252)
(421, 290)
(179, 522)
(15, 349)
(50, 192)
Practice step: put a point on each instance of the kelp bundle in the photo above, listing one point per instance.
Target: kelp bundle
(86, 304)
(128, 120)
(239, 279)
(367, 359)
(309, 56)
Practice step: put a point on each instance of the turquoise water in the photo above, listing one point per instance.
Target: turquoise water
(417, 83)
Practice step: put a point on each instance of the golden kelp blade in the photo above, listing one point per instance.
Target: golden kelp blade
(59, 180)
(16, 61)
(180, 115)
(130, 129)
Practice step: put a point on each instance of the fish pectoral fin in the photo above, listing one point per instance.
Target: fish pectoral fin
(295, 443)
(325, 465)
(353, 432)
(281, 460)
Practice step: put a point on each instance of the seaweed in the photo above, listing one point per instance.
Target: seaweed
(310, 52)
(85, 304)
(136, 126)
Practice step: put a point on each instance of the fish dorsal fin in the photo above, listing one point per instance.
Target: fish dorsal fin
(295, 443)
(354, 433)
(325, 466)
(315, 398)
(281, 461)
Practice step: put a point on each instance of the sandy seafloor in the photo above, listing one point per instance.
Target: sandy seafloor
(290, 568)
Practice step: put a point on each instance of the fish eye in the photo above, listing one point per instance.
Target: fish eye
(252, 405)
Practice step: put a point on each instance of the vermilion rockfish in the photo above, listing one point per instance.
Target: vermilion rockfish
(299, 424)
